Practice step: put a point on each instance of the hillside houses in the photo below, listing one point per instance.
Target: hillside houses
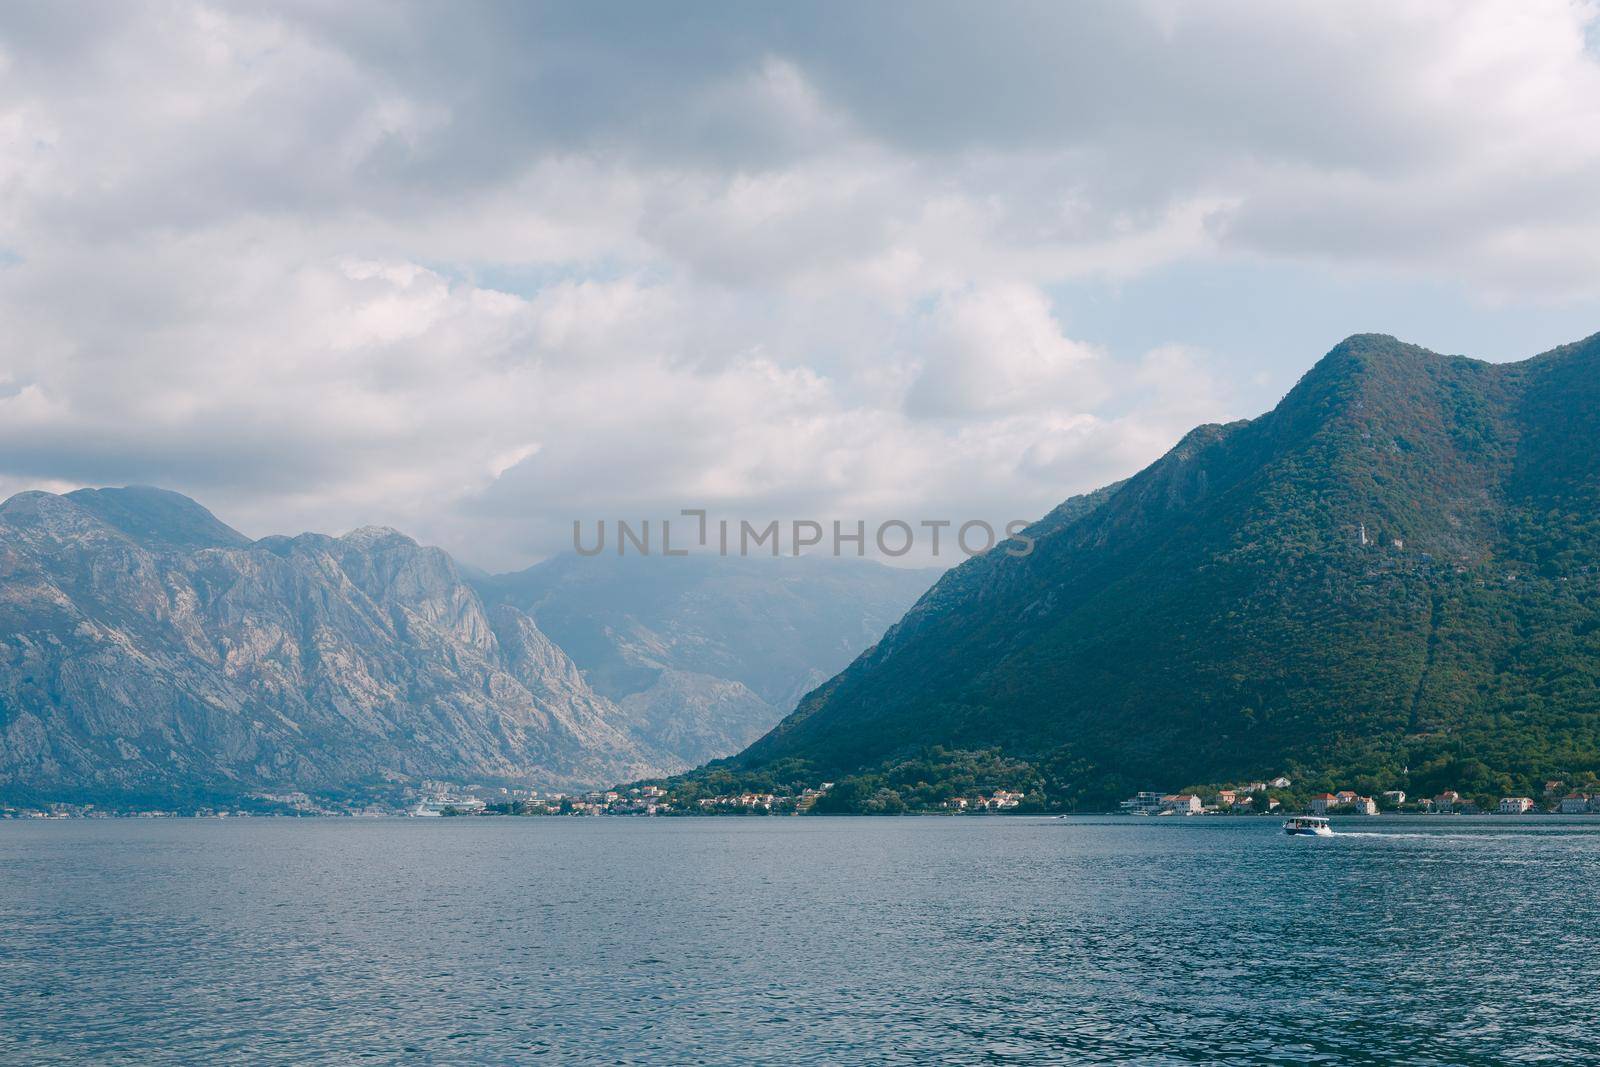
(1232, 799)
(1254, 797)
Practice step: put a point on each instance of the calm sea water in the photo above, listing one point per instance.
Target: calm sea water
(1440, 940)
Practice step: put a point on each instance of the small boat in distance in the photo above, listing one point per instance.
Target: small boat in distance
(1307, 826)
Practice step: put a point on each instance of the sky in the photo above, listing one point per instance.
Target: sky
(476, 271)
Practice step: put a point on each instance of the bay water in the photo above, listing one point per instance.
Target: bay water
(799, 940)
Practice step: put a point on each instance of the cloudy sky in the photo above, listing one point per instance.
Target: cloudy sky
(477, 271)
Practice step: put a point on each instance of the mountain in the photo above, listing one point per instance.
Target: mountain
(1391, 579)
(704, 653)
(146, 647)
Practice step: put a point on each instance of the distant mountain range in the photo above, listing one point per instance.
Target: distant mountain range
(703, 654)
(1392, 578)
(146, 648)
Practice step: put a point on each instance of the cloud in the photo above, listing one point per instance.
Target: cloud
(999, 350)
(478, 271)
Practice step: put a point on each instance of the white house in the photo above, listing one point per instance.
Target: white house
(1181, 804)
(1515, 805)
(1322, 802)
(1280, 782)
(1574, 804)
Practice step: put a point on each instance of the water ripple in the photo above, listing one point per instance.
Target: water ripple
(801, 940)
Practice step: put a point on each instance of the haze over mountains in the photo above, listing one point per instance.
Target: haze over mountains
(703, 654)
(145, 647)
(1392, 576)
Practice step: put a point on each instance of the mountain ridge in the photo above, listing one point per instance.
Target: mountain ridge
(146, 647)
(1299, 588)
(135, 659)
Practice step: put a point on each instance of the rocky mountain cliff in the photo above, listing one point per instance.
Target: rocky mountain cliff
(1391, 578)
(144, 645)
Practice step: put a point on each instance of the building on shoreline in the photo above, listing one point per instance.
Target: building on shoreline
(1181, 804)
(1144, 802)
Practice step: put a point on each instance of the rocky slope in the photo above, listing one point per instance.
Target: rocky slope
(145, 646)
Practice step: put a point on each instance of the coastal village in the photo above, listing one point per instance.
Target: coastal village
(1269, 797)
(435, 799)
(1276, 796)
(654, 800)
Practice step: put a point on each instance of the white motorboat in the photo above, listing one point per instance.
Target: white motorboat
(1307, 826)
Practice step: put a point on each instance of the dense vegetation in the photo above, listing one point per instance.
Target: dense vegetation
(1390, 579)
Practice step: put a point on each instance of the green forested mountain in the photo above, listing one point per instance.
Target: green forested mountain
(1390, 578)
